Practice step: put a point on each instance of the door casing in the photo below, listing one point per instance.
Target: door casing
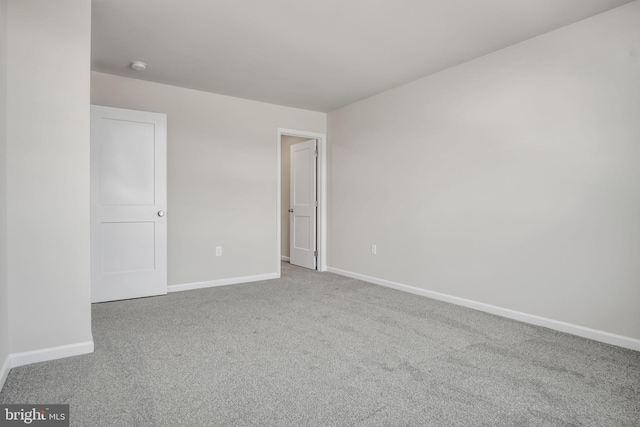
(322, 194)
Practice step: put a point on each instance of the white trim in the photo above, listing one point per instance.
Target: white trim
(285, 258)
(581, 331)
(15, 360)
(221, 282)
(322, 193)
(4, 371)
(52, 353)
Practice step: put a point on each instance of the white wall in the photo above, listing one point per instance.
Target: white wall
(4, 303)
(511, 180)
(48, 74)
(285, 193)
(222, 173)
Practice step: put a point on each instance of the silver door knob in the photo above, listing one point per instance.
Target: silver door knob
(290, 210)
(161, 213)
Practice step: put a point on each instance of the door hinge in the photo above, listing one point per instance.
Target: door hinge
(316, 153)
(316, 203)
(315, 254)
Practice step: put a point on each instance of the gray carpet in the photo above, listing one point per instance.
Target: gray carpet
(318, 349)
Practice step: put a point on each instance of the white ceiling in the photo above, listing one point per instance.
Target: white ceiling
(313, 54)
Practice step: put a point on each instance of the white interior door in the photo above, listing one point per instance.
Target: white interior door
(128, 203)
(303, 204)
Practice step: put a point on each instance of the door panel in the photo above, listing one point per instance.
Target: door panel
(301, 233)
(303, 204)
(127, 163)
(128, 190)
(128, 247)
(302, 158)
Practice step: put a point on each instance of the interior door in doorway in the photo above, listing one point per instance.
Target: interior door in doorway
(128, 204)
(303, 204)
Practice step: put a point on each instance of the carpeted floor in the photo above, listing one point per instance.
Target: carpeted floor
(318, 349)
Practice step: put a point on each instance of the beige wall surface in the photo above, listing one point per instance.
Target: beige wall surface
(4, 291)
(222, 174)
(48, 72)
(511, 180)
(285, 191)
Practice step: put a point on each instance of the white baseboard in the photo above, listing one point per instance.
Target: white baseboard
(285, 258)
(4, 371)
(52, 353)
(581, 331)
(221, 282)
(14, 360)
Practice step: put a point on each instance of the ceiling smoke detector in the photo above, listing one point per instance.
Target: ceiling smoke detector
(138, 66)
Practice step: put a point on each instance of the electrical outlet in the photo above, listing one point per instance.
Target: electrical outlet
(374, 249)
(218, 250)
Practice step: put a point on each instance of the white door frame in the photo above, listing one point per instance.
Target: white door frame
(322, 194)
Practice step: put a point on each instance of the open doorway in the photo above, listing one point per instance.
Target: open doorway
(287, 138)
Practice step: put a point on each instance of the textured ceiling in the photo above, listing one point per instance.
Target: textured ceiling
(317, 55)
